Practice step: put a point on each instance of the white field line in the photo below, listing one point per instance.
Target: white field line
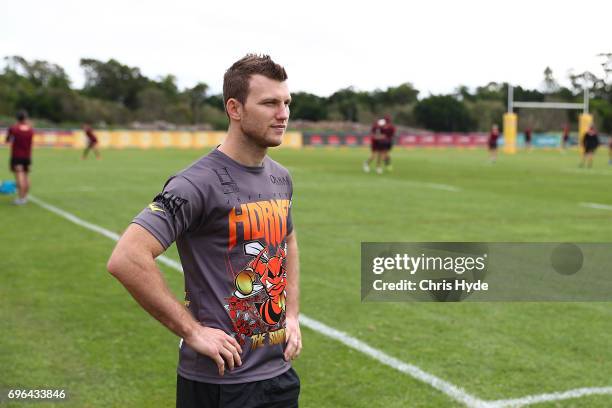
(452, 391)
(597, 206)
(103, 231)
(444, 187)
(90, 189)
(424, 184)
(447, 388)
(555, 396)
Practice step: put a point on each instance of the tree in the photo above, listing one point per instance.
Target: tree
(216, 101)
(485, 112)
(599, 87)
(167, 85)
(443, 113)
(550, 84)
(113, 81)
(462, 93)
(308, 106)
(38, 86)
(153, 104)
(492, 91)
(197, 99)
(401, 95)
(346, 102)
(38, 72)
(600, 91)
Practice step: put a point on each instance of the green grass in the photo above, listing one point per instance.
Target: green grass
(66, 323)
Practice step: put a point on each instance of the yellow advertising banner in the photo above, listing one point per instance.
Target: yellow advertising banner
(121, 139)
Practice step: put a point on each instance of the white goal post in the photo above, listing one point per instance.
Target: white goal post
(511, 120)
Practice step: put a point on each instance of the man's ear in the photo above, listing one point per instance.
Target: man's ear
(233, 108)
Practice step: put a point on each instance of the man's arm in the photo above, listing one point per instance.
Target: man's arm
(293, 337)
(133, 264)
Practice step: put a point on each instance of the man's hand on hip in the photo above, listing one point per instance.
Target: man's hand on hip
(222, 348)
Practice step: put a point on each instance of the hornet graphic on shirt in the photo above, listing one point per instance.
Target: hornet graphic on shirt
(257, 306)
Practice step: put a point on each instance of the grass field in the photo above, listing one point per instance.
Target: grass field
(66, 323)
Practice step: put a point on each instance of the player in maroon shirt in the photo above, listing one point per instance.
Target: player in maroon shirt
(92, 142)
(377, 138)
(493, 136)
(566, 133)
(20, 137)
(528, 138)
(388, 130)
(382, 141)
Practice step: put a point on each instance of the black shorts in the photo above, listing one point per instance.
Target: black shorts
(18, 161)
(590, 149)
(375, 145)
(278, 392)
(384, 145)
(492, 145)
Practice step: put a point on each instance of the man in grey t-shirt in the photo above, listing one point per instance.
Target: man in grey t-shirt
(230, 216)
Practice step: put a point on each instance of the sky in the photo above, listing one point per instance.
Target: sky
(325, 45)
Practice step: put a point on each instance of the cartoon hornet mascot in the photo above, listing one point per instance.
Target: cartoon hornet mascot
(264, 273)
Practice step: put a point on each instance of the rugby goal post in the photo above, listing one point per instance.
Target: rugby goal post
(511, 119)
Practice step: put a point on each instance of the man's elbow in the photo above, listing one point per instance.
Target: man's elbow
(115, 265)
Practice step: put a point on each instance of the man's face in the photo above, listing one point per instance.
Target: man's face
(266, 111)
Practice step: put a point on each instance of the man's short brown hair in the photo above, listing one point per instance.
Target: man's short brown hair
(22, 115)
(236, 78)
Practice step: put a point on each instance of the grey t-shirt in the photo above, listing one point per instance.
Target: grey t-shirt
(230, 224)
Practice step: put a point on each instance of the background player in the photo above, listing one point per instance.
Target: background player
(565, 139)
(388, 130)
(528, 138)
(20, 136)
(590, 143)
(377, 139)
(92, 142)
(493, 136)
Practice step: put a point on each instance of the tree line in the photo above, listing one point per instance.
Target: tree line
(115, 94)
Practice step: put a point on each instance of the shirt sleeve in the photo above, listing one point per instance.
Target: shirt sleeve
(178, 209)
(289, 222)
(289, 219)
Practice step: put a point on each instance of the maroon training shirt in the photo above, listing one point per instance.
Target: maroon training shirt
(20, 136)
(493, 136)
(388, 130)
(91, 136)
(376, 128)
